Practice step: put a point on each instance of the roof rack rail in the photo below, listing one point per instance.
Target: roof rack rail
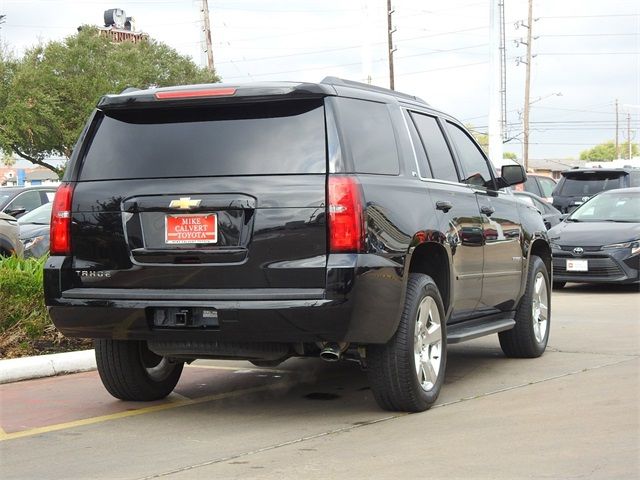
(129, 89)
(373, 88)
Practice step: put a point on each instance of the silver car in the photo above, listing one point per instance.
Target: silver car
(9, 240)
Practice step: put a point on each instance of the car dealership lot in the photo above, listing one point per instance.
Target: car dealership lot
(572, 413)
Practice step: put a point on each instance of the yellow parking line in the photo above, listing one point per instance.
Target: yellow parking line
(130, 413)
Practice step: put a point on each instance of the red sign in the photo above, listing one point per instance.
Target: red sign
(192, 228)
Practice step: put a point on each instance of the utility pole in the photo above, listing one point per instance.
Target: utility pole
(617, 142)
(390, 31)
(527, 88)
(495, 74)
(207, 34)
(629, 134)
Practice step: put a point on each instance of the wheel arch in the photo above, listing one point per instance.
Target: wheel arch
(431, 258)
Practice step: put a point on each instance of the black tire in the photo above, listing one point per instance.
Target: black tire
(558, 285)
(521, 341)
(130, 371)
(391, 367)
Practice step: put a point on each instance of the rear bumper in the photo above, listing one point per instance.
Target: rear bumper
(361, 304)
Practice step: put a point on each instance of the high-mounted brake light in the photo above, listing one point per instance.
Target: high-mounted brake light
(199, 93)
(60, 234)
(346, 225)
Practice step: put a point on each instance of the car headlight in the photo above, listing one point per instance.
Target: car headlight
(634, 246)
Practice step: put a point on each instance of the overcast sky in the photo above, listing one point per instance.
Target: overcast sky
(587, 50)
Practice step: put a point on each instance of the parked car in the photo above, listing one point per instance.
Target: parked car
(599, 241)
(579, 185)
(16, 201)
(270, 220)
(539, 185)
(550, 214)
(10, 243)
(34, 231)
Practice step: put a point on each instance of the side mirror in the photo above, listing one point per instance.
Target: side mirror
(511, 175)
(563, 217)
(15, 211)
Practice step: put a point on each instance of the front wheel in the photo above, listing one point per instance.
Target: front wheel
(529, 337)
(130, 371)
(407, 373)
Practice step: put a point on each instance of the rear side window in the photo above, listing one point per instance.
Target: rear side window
(590, 183)
(475, 166)
(436, 147)
(369, 135)
(634, 178)
(240, 139)
(546, 185)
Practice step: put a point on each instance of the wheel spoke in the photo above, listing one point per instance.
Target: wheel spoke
(434, 335)
(543, 311)
(431, 375)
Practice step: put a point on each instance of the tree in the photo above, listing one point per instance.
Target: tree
(47, 95)
(605, 152)
(509, 155)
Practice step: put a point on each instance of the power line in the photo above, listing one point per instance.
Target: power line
(589, 35)
(588, 53)
(595, 16)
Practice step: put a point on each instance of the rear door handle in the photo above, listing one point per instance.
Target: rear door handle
(488, 211)
(444, 206)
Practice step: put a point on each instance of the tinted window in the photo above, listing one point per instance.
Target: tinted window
(473, 162)
(634, 179)
(421, 156)
(29, 200)
(266, 138)
(438, 153)
(531, 186)
(546, 185)
(590, 183)
(369, 135)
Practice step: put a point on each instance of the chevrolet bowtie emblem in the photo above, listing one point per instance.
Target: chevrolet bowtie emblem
(184, 203)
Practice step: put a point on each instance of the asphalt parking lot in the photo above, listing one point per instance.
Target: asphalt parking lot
(574, 413)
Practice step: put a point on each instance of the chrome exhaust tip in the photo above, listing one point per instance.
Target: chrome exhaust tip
(331, 352)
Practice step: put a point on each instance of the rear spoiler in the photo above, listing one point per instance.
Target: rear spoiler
(213, 93)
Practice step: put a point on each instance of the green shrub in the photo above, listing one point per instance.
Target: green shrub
(23, 315)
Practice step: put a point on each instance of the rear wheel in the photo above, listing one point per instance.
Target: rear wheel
(130, 371)
(407, 373)
(529, 337)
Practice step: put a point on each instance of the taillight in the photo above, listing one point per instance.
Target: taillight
(60, 234)
(198, 93)
(346, 229)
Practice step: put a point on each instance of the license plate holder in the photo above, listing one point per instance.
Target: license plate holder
(577, 265)
(191, 228)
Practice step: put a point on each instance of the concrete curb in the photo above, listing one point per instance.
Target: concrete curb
(27, 368)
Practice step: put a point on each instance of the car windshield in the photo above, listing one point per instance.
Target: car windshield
(4, 198)
(39, 216)
(590, 183)
(610, 207)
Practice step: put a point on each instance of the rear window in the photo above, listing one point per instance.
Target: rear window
(240, 139)
(590, 183)
(369, 136)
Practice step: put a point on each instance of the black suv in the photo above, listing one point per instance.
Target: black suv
(271, 220)
(579, 185)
